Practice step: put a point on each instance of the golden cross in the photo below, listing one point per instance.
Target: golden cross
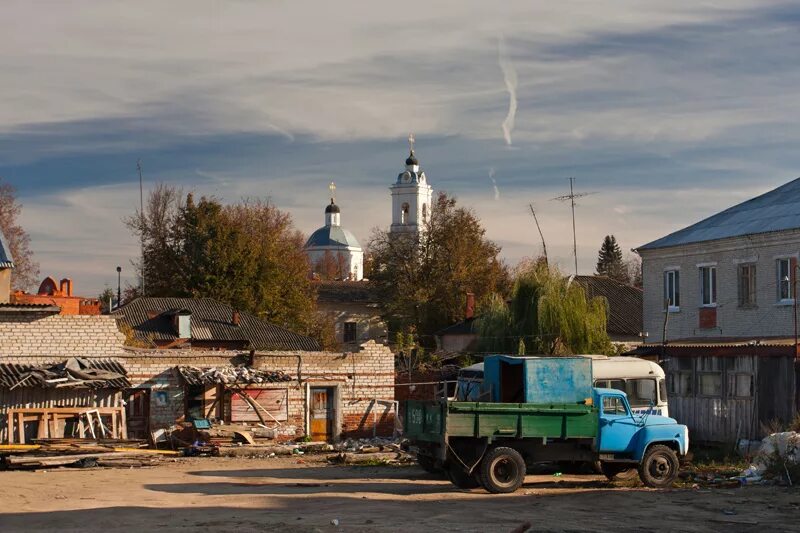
(411, 141)
(332, 187)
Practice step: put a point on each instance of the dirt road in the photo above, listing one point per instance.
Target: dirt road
(281, 495)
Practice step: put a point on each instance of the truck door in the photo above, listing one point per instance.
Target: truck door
(617, 425)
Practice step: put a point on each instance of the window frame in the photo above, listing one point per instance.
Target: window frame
(752, 280)
(673, 296)
(733, 385)
(700, 384)
(675, 380)
(780, 281)
(347, 325)
(708, 273)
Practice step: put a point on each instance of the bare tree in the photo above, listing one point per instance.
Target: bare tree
(26, 269)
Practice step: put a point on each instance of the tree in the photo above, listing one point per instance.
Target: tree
(548, 314)
(26, 269)
(247, 254)
(633, 270)
(108, 295)
(332, 267)
(609, 260)
(422, 280)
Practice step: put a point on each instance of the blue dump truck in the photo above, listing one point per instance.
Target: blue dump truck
(541, 410)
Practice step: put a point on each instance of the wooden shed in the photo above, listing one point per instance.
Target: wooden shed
(729, 391)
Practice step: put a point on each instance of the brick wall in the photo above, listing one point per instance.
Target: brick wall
(34, 334)
(768, 318)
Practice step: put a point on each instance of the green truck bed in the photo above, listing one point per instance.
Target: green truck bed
(433, 421)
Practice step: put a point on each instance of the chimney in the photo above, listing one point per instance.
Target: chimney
(235, 318)
(469, 312)
(66, 287)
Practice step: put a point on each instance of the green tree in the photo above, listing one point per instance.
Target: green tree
(548, 314)
(422, 280)
(108, 295)
(609, 260)
(26, 269)
(247, 254)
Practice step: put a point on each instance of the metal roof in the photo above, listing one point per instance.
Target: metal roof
(211, 320)
(346, 292)
(11, 374)
(29, 308)
(624, 303)
(335, 236)
(776, 210)
(6, 261)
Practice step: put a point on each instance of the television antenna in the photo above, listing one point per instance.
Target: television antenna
(571, 197)
(544, 246)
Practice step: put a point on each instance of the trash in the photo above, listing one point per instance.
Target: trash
(729, 512)
(335, 522)
(557, 474)
(778, 449)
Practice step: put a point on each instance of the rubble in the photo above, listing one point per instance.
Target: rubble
(230, 375)
(779, 453)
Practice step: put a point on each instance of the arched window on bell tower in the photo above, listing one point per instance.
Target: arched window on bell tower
(404, 213)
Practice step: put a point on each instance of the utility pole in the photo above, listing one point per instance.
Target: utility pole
(571, 197)
(141, 221)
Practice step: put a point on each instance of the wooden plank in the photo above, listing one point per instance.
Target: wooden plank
(21, 427)
(10, 424)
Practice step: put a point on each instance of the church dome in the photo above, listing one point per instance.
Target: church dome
(332, 208)
(332, 237)
(412, 159)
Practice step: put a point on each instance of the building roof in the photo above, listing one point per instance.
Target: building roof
(720, 347)
(346, 292)
(776, 210)
(74, 373)
(332, 236)
(29, 308)
(624, 303)
(468, 326)
(211, 320)
(6, 261)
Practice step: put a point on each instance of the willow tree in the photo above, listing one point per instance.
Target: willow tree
(548, 314)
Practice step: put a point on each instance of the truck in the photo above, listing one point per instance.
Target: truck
(541, 410)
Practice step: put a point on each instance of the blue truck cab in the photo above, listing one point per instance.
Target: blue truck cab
(627, 439)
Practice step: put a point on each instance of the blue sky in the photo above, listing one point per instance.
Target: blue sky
(667, 111)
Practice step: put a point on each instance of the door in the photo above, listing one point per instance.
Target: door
(137, 413)
(617, 425)
(321, 413)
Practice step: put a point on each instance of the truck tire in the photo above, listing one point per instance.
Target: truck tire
(659, 467)
(502, 470)
(461, 479)
(618, 472)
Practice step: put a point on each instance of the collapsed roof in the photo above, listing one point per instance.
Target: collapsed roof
(72, 373)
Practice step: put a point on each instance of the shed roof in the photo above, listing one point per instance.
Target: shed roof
(79, 373)
(624, 303)
(776, 210)
(211, 320)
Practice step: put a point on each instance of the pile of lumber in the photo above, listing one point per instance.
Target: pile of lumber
(80, 452)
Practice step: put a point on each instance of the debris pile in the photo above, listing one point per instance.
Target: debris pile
(74, 372)
(231, 375)
(371, 451)
(777, 458)
(80, 452)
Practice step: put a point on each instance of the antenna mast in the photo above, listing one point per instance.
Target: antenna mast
(571, 197)
(544, 246)
(141, 220)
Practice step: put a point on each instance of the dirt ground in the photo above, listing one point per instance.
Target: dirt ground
(241, 495)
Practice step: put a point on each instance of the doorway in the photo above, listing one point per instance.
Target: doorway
(137, 413)
(321, 413)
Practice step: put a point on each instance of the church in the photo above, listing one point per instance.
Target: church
(335, 253)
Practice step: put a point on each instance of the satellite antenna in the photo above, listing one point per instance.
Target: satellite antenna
(571, 197)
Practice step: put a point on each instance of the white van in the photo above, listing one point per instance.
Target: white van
(643, 381)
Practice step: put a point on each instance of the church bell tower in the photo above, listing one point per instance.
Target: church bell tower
(411, 197)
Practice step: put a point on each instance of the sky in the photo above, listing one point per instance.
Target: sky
(665, 111)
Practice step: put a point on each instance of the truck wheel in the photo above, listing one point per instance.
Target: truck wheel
(502, 470)
(618, 472)
(460, 478)
(659, 467)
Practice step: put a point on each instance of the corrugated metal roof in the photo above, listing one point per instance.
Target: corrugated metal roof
(346, 292)
(29, 308)
(777, 210)
(211, 320)
(6, 261)
(624, 303)
(11, 374)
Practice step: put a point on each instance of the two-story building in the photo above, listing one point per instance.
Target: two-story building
(720, 311)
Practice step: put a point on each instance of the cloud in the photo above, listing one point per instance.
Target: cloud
(494, 184)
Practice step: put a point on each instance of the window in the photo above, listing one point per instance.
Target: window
(612, 405)
(662, 390)
(740, 385)
(672, 285)
(404, 213)
(784, 272)
(747, 285)
(708, 285)
(710, 384)
(349, 332)
(680, 384)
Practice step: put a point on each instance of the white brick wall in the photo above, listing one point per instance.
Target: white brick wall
(769, 318)
(34, 334)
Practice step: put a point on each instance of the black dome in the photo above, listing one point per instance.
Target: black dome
(332, 208)
(412, 159)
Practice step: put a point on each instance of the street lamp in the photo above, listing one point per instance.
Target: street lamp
(119, 286)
